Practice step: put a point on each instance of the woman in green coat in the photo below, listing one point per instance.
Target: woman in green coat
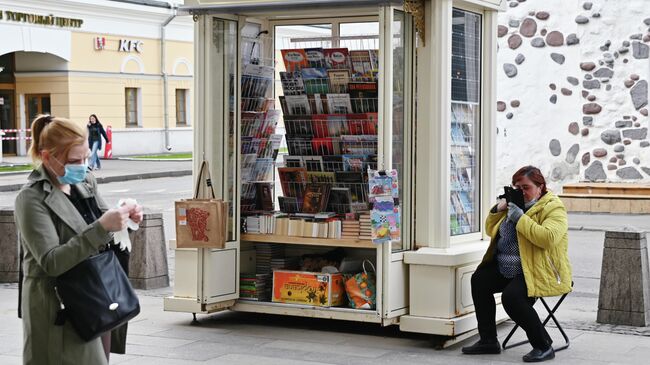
(56, 235)
(527, 258)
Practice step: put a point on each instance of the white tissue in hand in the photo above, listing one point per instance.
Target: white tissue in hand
(122, 237)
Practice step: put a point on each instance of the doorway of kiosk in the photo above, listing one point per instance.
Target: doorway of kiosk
(209, 280)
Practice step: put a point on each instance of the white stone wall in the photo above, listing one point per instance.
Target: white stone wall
(551, 128)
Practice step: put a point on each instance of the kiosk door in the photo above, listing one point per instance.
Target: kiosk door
(396, 100)
(217, 141)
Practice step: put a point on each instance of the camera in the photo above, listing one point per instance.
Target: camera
(512, 195)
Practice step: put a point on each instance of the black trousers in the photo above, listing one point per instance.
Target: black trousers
(486, 281)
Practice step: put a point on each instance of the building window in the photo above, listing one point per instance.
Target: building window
(181, 107)
(131, 98)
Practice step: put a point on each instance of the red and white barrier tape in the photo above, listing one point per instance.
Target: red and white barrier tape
(14, 138)
(15, 130)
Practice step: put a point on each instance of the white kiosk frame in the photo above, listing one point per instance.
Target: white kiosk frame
(424, 285)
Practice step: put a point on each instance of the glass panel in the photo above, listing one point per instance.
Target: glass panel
(398, 76)
(224, 56)
(465, 122)
(45, 105)
(32, 107)
(359, 36)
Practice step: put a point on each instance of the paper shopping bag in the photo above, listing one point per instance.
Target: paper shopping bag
(201, 222)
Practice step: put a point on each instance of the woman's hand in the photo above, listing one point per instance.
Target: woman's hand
(502, 205)
(514, 212)
(114, 220)
(136, 214)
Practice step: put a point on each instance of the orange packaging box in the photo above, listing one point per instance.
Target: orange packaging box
(300, 287)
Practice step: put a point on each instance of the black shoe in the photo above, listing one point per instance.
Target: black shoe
(482, 347)
(537, 355)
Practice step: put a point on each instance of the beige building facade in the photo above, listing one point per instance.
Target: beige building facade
(128, 62)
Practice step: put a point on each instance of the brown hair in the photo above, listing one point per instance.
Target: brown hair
(533, 174)
(56, 135)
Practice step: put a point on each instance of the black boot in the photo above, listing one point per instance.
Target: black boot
(537, 355)
(483, 347)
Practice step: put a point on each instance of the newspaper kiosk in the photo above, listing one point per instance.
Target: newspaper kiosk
(296, 101)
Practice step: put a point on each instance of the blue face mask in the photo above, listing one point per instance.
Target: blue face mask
(74, 174)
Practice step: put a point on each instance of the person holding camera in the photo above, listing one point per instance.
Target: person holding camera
(527, 258)
(62, 221)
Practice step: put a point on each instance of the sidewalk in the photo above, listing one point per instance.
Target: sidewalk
(112, 171)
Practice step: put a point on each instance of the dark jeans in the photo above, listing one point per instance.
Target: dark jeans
(486, 281)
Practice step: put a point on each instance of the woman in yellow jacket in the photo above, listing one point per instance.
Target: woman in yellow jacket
(527, 258)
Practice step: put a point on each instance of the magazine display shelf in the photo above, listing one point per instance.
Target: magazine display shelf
(307, 241)
(326, 121)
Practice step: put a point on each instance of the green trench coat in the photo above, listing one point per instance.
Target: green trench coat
(55, 238)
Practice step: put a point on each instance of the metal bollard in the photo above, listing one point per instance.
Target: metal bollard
(8, 247)
(148, 267)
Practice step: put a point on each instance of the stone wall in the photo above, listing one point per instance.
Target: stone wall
(573, 90)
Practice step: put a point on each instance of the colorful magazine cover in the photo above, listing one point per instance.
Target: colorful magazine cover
(337, 58)
(385, 220)
(294, 59)
(315, 57)
(315, 80)
(383, 184)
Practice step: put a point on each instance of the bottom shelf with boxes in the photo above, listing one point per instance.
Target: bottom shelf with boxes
(308, 276)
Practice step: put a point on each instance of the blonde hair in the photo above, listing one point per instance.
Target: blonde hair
(56, 135)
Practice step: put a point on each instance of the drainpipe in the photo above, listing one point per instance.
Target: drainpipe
(164, 75)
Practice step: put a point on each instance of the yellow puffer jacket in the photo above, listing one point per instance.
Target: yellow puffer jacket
(543, 239)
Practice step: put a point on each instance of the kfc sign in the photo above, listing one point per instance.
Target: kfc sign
(128, 45)
(100, 43)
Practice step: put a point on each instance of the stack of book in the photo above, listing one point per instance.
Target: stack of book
(265, 253)
(365, 232)
(253, 286)
(351, 229)
(285, 263)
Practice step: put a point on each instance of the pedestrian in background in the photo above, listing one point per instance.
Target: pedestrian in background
(62, 221)
(95, 133)
(527, 258)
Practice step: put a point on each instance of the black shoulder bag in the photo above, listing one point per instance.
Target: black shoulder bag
(96, 296)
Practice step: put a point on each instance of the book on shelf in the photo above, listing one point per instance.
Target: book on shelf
(337, 58)
(318, 103)
(315, 198)
(315, 80)
(355, 182)
(338, 80)
(361, 64)
(294, 59)
(316, 57)
(324, 146)
(257, 81)
(313, 163)
(339, 200)
(293, 161)
(299, 125)
(359, 144)
(354, 163)
(362, 123)
(293, 180)
(339, 103)
(300, 145)
(321, 177)
(292, 83)
(297, 105)
(288, 204)
(264, 196)
(364, 96)
(332, 163)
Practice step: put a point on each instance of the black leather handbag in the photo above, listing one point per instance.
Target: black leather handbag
(96, 296)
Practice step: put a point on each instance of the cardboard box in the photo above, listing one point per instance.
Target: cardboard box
(300, 287)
